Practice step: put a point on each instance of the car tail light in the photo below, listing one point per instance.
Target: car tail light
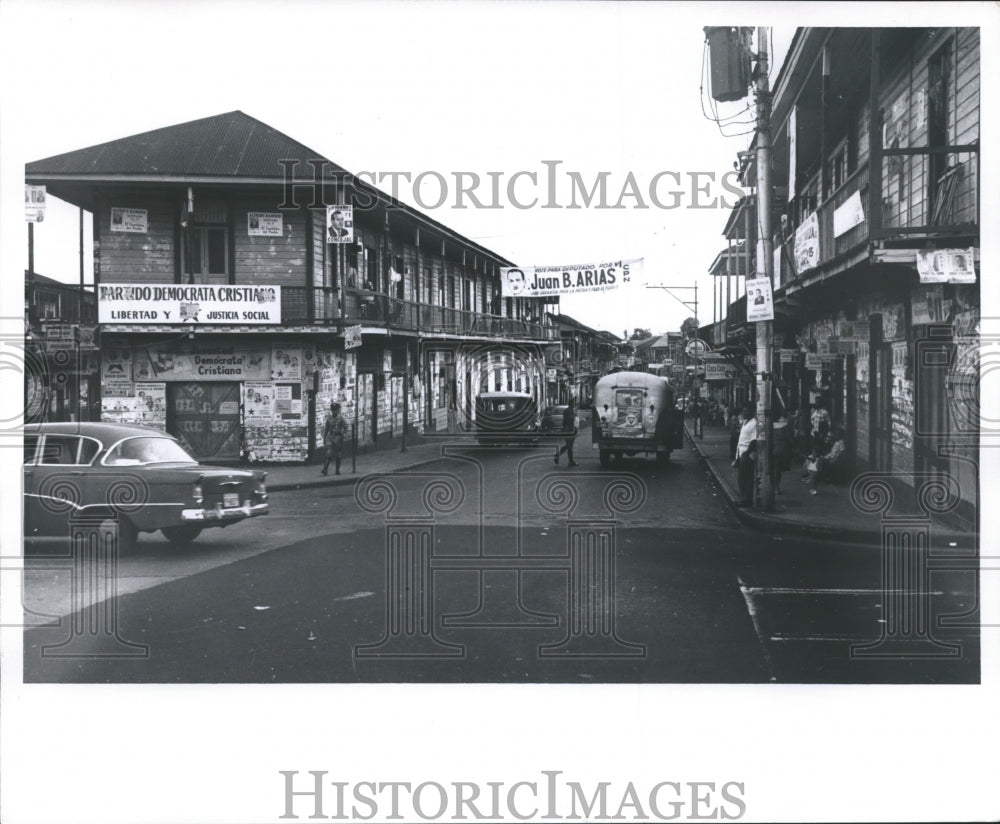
(260, 489)
(197, 492)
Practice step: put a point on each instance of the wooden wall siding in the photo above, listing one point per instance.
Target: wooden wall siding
(128, 257)
(270, 260)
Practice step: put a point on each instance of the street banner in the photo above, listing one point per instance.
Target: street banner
(946, 265)
(135, 221)
(189, 304)
(340, 224)
(807, 244)
(352, 337)
(848, 215)
(542, 281)
(759, 304)
(265, 224)
(34, 204)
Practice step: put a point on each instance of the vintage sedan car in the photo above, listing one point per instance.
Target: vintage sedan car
(138, 476)
(552, 419)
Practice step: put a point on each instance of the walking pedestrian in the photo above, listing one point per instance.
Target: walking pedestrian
(746, 454)
(569, 428)
(334, 430)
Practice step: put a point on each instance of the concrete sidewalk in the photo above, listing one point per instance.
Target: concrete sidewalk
(830, 514)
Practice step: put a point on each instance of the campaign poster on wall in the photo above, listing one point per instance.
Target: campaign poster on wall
(258, 401)
(286, 363)
(135, 221)
(339, 224)
(265, 224)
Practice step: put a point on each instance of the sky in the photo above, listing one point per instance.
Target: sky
(580, 88)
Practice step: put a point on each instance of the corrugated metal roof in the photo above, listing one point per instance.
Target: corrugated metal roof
(226, 145)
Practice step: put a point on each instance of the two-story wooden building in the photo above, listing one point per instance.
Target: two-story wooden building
(228, 318)
(876, 236)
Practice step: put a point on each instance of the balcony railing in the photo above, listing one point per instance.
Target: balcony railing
(925, 191)
(323, 306)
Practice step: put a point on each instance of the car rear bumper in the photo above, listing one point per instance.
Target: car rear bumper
(219, 514)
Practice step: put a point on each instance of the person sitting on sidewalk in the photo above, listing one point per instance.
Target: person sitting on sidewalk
(746, 454)
(829, 466)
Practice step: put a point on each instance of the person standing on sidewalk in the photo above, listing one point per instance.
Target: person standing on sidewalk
(334, 430)
(735, 424)
(569, 428)
(746, 453)
(782, 451)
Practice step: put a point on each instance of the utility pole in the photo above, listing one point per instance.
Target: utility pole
(765, 266)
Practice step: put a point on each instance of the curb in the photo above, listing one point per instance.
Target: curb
(770, 523)
(342, 480)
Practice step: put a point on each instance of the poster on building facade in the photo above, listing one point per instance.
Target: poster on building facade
(209, 362)
(947, 265)
(807, 244)
(286, 363)
(265, 224)
(258, 401)
(340, 224)
(542, 281)
(759, 302)
(116, 373)
(34, 204)
(135, 221)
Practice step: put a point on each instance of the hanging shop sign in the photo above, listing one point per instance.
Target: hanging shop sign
(789, 355)
(715, 371)
(946, 265)
(265, 224)
(34, 204)
(188, 304)
(759, 304)
(134, 221)
(541, 281)
(807, 244)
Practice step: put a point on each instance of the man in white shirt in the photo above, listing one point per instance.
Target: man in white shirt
(746, 449)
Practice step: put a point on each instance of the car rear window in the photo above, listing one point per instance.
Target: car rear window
(137, 451)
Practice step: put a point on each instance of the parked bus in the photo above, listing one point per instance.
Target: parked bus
(634, 414)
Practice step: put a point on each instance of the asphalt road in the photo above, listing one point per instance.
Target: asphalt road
(494, 565)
